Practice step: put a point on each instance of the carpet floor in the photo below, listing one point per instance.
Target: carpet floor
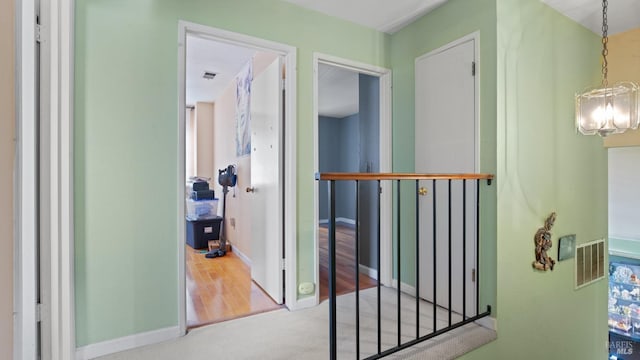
(304, 334)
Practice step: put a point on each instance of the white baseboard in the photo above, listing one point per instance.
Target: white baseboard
(338, 220)
(404, 287)
(241, 255)
(93, 351)
(488, 322)
(345, 221)
(304, 303)
(372, 273)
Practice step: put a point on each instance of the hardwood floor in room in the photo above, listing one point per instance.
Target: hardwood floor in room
(221, 289)
(345, 263)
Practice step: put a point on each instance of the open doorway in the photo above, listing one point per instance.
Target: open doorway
(353, 135)
(233, 122)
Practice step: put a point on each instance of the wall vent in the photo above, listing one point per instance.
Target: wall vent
(209, 75)
(590, 264)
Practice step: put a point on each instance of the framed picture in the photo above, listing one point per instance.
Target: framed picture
(243, 111)
(566, 247)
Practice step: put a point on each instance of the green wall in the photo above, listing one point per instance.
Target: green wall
(532, 60)
(544, 166)
(455, 19)
(126, 145)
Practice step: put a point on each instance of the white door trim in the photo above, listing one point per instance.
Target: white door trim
(57, 311)
(386, 261)
(25, 333)
(475, 36)
(290, 209)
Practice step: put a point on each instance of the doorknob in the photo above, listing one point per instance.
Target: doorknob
(250, 189)
(422, 191)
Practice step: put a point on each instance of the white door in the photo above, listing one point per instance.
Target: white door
(445, 142)
(267, 181)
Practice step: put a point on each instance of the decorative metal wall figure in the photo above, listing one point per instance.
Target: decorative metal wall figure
(543, 243)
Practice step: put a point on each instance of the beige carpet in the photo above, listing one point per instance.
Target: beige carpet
(304, 334)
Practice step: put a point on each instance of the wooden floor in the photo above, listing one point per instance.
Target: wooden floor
(221, 289)
(345, 263)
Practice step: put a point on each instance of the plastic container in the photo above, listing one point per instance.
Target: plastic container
(201, 209)
(199, 232)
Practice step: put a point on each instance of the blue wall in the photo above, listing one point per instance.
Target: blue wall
(369, 162)
(339, 151)
(352, 144)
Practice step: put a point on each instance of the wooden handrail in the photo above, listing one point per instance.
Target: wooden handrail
(401, 176)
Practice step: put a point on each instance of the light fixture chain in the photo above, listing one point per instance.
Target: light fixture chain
(605, 41)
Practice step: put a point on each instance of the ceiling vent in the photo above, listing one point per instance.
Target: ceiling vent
(590, 265)
(209, 75)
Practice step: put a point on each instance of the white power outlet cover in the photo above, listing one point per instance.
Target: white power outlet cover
(306, 288)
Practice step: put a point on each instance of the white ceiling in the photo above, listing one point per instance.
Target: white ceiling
(392, 15)
(622, 15)
(207, 55)
(338, 91)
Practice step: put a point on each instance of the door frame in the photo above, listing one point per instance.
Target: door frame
(56, 311)
(289, 212)
(26, 180)
(385, 133)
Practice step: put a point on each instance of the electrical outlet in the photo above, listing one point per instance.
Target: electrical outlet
(306, 288)
(233, 222)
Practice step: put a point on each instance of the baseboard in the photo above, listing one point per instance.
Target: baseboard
(488, 322)
(93, 351)
(372, 273)
(404, 287)
(345, 221)
(245, 259)
(342, 220)
(304, 303)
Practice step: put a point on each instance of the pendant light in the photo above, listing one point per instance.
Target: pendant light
(608, 110)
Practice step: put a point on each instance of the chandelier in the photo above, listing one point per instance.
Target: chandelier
(608, 109)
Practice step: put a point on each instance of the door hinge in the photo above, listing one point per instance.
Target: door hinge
(473, 68)
(473, 275)
(283, 264)
(38, 31)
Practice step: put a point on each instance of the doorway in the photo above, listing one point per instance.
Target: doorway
(220, 129)
(446, 131)
(352, 135)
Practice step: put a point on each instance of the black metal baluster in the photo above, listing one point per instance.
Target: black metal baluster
(332, 271)
(464, 249)
(379, 273)
(357, 267)
(332, 263)
(398, 227)
(417, 259)
(435, 293)
(449, 252)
